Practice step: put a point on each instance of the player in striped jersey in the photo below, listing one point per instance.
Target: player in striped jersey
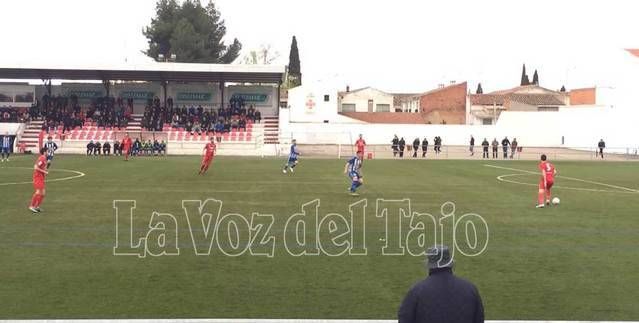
(292, 157)
(5, 146)
(51, 148)
(352, 169)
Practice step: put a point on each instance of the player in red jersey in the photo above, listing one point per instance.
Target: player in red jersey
(546, 182)
(126, 146)
(209, 153)
(360, 144)
(39, 173)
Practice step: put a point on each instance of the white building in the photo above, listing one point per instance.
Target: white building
(366, 99)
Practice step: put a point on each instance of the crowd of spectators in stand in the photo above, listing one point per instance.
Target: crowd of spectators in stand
(139, 148)
(66, 113)
(198, 119)
(14, 115)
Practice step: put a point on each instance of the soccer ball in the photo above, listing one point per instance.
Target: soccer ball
(556, 201)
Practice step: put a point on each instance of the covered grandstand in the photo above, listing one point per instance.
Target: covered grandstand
(206, 86)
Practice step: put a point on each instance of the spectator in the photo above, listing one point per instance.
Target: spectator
(441, 297)
(402, 144)
(424, 147)
(395, 145)
(137, 147)
(504, 144)
(438, 145)
(117, 150)
(258, 116)
(415, 147)
(162, 150)
(97, 149)
(472, 145)
(242, 124)
(106, 148)
(90, 147)
(485, 146)
(513, 148)
(495, 148)
(601, 145)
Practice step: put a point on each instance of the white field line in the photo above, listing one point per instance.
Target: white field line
(260, 321)
(627, 190)
(77, 175)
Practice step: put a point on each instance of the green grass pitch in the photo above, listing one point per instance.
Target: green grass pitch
(577, 261)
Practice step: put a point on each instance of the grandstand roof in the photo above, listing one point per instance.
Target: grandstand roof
(155, 71)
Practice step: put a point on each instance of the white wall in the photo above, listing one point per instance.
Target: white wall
(581, 127)
(10, 128)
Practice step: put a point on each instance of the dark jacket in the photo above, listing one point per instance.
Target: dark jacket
(442, 297)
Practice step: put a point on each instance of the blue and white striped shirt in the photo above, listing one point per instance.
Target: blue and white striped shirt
(51, 147)
(354, 164)
(6, 142)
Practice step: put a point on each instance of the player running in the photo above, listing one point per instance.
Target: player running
(126, 146)
(39, 173)
(352, 169)
(546, 182)
(209, 154)
(51, 148)
(360, 144)
(292, 157)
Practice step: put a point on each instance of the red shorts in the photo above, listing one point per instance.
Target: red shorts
(207, 159)
(548, 185)
(38, 184)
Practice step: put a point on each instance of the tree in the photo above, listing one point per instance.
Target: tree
(479, 89)
(265, 55)
(294, 70)
(535, 80)
(524, 77)
(563, 89)
(191, 32)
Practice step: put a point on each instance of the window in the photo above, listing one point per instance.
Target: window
(382, 108)
(548, 109)
(326, 98)
(487, 121)
(348, 107)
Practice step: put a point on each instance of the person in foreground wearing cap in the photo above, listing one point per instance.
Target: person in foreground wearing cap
(441, 297)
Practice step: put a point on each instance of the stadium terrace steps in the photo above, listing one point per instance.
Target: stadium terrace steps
(180, 142)
(30, 135)
(271, 130)
(136, 123)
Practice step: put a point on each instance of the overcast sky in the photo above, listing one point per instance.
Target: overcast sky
(400, 45)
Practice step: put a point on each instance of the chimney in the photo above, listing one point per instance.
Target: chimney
(453, 82)
(440, 85)
(348, 88)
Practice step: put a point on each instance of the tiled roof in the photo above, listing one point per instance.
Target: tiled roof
(519, 94)
(633, 51)
(535, 99)
(486, 99)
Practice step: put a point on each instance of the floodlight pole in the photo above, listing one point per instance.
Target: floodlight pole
(222, 93)
(107, 86)
(164, 86)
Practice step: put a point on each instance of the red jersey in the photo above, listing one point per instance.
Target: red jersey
(41, 163)
(209, 149)
(360, 143)
(126, 143)
(548, 170)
